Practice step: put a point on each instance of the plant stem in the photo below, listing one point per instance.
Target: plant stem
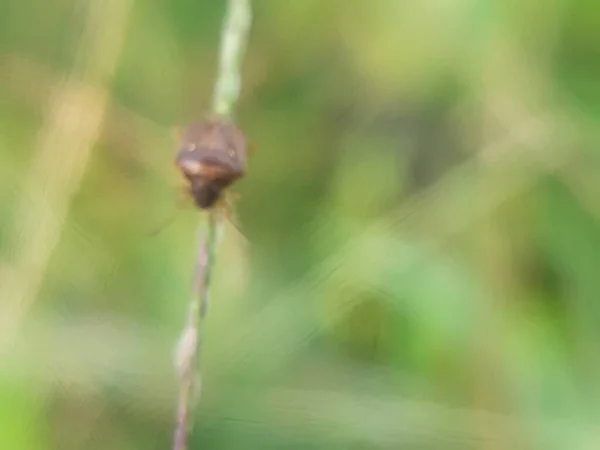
(227, 89)
(233, 45)
(191, 340)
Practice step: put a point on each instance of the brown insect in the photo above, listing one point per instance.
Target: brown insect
(211, 157)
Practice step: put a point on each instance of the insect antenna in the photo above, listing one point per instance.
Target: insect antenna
(163, 226)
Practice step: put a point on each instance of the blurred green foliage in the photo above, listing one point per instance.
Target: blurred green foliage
(421, 224)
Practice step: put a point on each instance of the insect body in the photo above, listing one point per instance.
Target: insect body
(211, 157)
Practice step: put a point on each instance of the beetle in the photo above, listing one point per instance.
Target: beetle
(211, 156)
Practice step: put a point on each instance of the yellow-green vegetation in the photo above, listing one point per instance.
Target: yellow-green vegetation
(421, 237)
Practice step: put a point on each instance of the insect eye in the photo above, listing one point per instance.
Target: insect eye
(231, 153)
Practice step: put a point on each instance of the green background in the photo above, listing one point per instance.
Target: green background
(421, 245)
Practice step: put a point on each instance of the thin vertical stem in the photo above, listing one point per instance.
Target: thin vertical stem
(233, 44)
(191, 340)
